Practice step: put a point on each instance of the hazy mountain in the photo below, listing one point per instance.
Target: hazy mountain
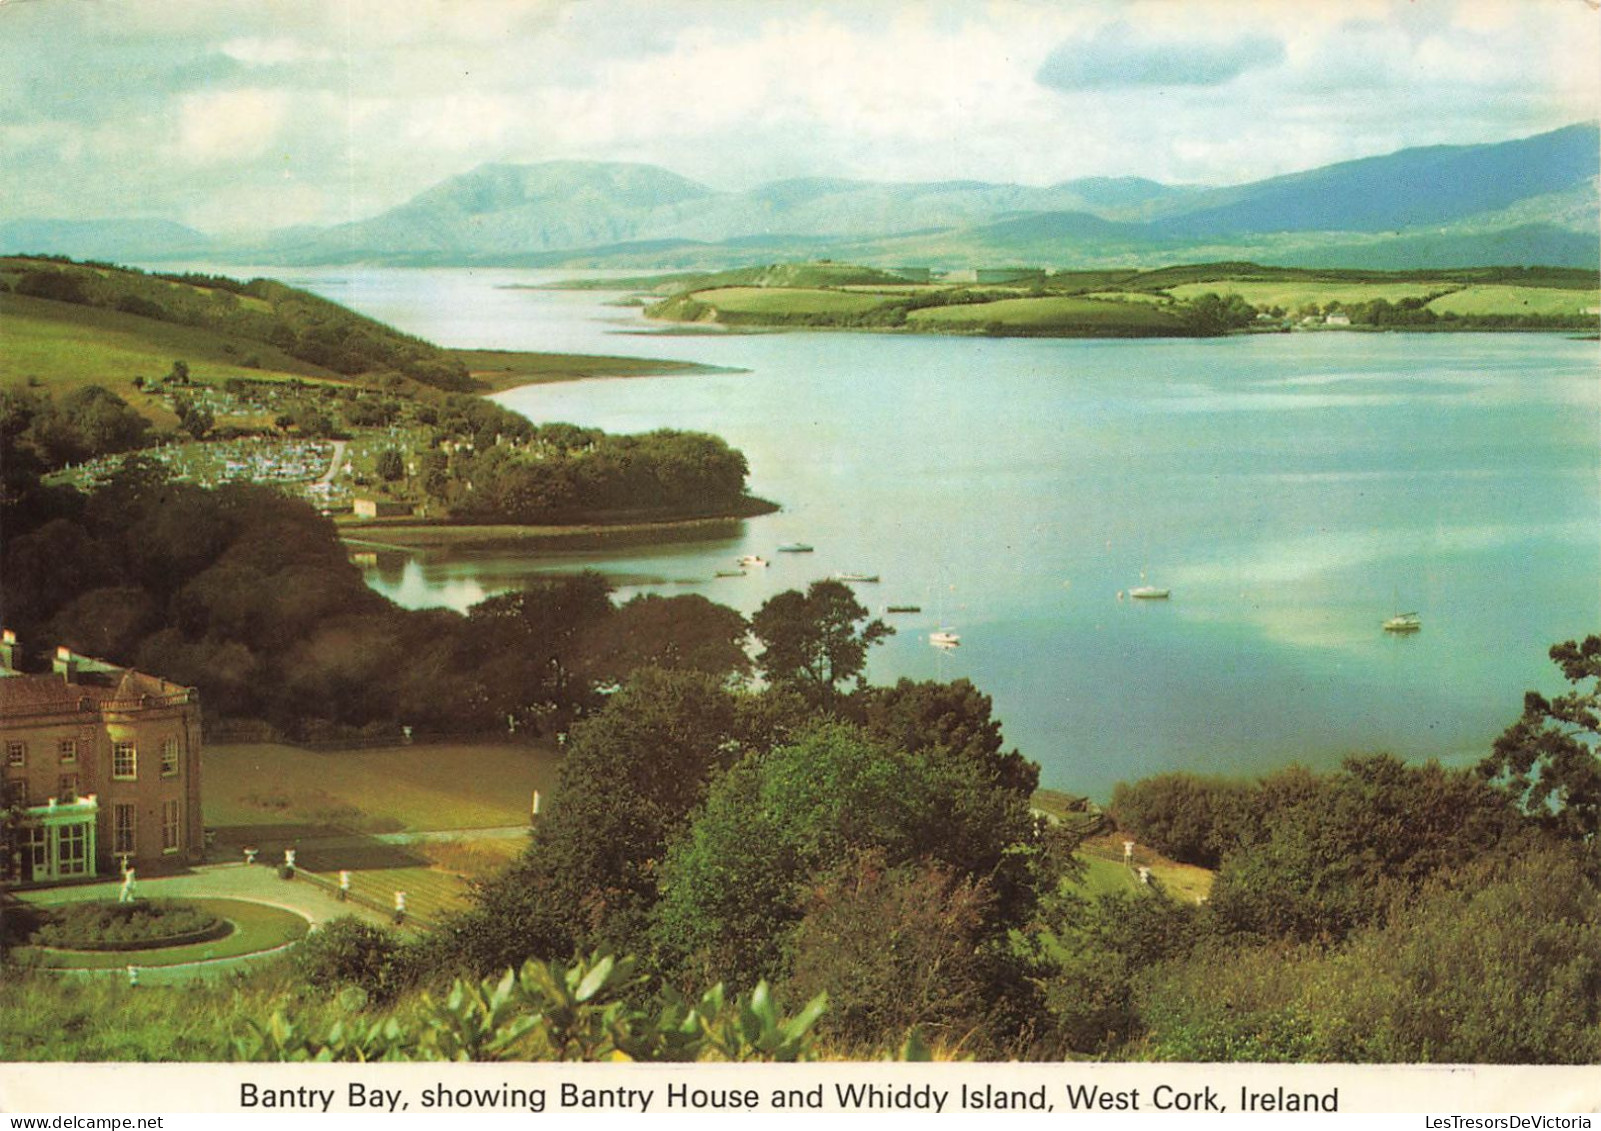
(1532, 200)
(1432, 185)
(102, 239)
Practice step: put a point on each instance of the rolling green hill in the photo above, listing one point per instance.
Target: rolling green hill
(252, 317)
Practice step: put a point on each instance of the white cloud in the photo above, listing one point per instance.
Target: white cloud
(384, 99)
(230, 125)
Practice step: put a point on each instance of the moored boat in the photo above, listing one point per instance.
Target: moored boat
(795, 548)
(1149, 593)
(753, 561)
(944, 638)
(903, 608)
(856, 577)
(1404, 622)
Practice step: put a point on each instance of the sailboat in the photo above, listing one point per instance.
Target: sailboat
(1404, 622)
(1143, 592)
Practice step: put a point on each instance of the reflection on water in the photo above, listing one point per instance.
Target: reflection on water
(1292, 491)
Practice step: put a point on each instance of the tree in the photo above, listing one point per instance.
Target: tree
(1548, 759)
(391, 465)
(816, 640)
(193, 419)
(1329, 862)
(955, 717)
(736, 881)
(630, 778)
(683, 633)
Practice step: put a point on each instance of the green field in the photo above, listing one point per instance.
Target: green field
(1059, 313)
(63, 346)
(1500, 299)
(1292, 294)
(782, 302)
(257, 927)
(413, 788)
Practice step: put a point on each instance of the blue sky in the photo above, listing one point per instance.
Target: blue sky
(239, 115)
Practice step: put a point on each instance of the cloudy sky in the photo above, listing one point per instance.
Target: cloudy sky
(237, 115)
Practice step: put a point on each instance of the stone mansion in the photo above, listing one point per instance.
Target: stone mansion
(100, 770)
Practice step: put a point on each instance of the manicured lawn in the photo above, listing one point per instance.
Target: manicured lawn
(421, 787)
(257, 927)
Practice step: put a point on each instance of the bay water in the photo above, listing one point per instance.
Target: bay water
(1291, 491)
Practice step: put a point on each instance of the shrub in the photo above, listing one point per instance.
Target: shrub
(347, 952)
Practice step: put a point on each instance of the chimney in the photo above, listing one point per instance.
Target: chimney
(66, 664)
(8, 651)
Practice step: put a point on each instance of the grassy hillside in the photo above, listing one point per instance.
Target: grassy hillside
(263, 312)
(66, 346)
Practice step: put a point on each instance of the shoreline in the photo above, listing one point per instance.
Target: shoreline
(500, 371)
(414, 536)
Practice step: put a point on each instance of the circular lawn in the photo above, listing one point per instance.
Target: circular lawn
(250, 929)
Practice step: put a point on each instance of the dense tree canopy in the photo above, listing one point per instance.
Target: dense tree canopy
(1550, 759)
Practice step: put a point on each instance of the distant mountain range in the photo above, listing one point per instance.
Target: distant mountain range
(1529, 201)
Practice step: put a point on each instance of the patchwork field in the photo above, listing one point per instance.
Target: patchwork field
(786, 301)
(1293, 294)
(1049, 313)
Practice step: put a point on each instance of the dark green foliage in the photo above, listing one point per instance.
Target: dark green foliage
(1332, 860)
(1102, 950)
(391, 465)
(630, 778)
(1548, 760)
(736, 882)
(347, 952)
(954, 717)
(1208, 315)
(896, 950)
(90, 926)
(1497, 963)
(1190, 818)
(84, 424)
(561, 473)
(814, 641)
(250, 596)
(684, 633)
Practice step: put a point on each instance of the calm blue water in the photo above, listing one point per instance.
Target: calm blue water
(1291, 490)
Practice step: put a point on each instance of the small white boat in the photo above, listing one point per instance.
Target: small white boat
(1404, 622)
(753, 561)
(1149, 593)
(944, 638)
(856, 577)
